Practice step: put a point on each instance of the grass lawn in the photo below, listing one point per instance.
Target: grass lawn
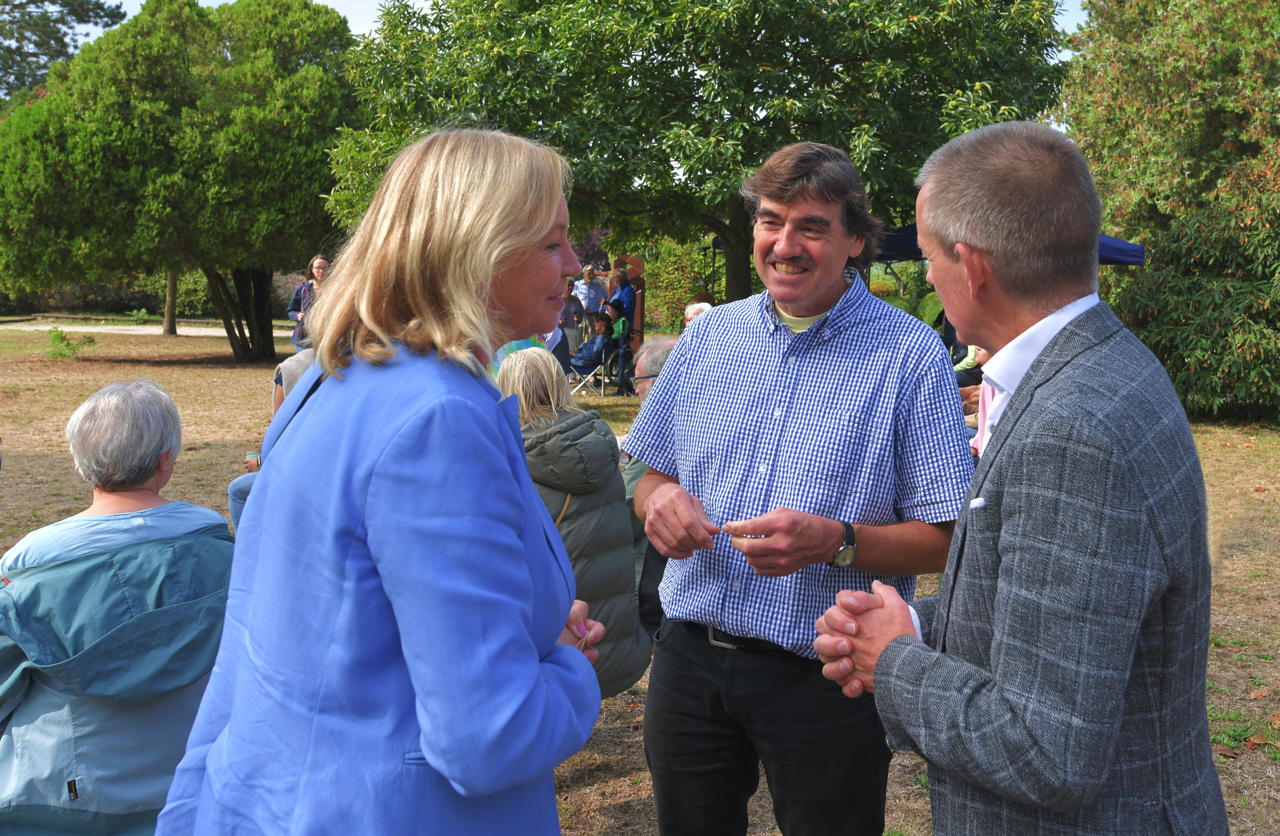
(605, 789)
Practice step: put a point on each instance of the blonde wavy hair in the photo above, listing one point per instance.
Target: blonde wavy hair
(534, 376)
(418, 268)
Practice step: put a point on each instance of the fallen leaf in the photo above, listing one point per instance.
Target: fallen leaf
(1225, 751)
(1257, 740)
(1260, 489)
(1274, 719)
(1259, 694)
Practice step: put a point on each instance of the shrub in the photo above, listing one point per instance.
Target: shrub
(1209, 308)
(193, 293)
(62, 347)
(674, 273)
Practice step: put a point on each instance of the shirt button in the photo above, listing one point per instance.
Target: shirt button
(777, 413)
(792, 361)
(762, 469)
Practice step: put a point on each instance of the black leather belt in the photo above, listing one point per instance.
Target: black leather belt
(719, 638)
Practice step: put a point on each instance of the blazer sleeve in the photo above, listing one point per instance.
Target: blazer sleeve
(499, 703)
(1079, 568)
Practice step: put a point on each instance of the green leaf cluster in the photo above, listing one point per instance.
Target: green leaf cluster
(674, 273)
(663, 106)
(62, 347)
(187, 138)
(36, 33)
(1175, 104)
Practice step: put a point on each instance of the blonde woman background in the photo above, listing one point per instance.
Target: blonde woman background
(402, 657)
(573, 459)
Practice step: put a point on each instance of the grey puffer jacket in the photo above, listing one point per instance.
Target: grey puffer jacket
(577, 456)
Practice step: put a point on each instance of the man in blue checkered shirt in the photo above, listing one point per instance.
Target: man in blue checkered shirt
(800, 442)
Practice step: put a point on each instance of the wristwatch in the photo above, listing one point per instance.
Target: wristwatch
(848, 550)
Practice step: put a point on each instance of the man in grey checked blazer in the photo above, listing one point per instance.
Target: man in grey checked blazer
(1058, 685)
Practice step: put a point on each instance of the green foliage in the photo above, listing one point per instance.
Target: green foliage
(185, 139)
(883, 287)
(1174, 104)
(35, 33)
(662, 106)
(674, 273)
(193, 292)
(1216, 331)
(62, 347)
(899, 303)
(929, 308)
(139, 316)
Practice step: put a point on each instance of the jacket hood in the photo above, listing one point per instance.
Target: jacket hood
(577, 453)
(127, 625)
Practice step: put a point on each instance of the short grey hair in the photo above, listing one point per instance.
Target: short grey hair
(118, 434)
(1020, 192)
(696, 309)
(654, 353)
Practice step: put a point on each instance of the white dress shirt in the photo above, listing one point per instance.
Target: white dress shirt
(1006, 368)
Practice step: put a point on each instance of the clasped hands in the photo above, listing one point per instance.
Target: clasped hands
(854, 631)
(582, 632)
(774, 544)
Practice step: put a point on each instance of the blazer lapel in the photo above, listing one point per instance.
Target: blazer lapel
(1080, 334)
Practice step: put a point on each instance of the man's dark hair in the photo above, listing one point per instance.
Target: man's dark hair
(599, 317)
(818, 172)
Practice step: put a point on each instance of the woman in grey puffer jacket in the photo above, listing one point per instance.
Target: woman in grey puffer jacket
(573, 459)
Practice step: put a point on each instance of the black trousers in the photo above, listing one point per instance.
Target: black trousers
(713, 715)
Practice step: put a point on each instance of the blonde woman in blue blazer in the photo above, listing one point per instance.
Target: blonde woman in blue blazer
(402, 652)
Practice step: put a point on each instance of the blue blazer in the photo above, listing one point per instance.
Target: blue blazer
(389, 662)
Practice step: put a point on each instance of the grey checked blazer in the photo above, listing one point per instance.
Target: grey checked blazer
(1061, 684)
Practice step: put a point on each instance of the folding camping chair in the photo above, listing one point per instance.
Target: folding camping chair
(601, 377)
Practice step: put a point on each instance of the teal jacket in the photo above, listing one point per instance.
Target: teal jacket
(103, 660)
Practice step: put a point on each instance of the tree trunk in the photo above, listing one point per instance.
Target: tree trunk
(737, 240)
(245, 301)
(171, 303)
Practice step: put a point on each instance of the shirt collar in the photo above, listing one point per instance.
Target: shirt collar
(1009, 365)
(841, 314)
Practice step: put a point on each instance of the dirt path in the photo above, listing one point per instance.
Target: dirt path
(184, 330)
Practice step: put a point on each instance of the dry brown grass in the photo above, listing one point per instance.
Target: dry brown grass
(605, 788)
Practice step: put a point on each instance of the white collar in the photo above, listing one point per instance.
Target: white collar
(1006, 368)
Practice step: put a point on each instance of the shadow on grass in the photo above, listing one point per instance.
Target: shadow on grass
(202, 361)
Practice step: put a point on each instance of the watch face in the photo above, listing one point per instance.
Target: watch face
(844, 557)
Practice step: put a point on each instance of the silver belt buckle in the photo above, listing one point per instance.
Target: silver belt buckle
(714, 642)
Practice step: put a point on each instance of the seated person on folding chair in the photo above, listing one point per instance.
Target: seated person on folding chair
(592, 353)
(622, 336)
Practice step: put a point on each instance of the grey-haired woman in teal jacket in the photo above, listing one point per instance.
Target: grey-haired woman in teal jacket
(109, 621)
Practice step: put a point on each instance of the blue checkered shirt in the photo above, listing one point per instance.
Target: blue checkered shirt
(856, 419)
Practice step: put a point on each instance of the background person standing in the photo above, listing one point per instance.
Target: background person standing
(304, 296)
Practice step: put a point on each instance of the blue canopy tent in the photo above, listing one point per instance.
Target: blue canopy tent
(900, 245)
